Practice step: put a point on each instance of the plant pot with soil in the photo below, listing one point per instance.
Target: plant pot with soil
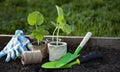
(58, 49)
(39, 47)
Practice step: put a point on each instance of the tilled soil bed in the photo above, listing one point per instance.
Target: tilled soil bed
(109, 63)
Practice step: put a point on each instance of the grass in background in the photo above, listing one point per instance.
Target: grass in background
(101, 17)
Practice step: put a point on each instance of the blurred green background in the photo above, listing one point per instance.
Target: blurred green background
(101, 17)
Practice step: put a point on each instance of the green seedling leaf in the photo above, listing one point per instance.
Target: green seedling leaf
(66, 28)
(40, 19)
(35, 18)
(61, 20)
(36, 34)
(39, 37)
(39, 34)
(53, 23)
(43, 31)
(32, 17)
(60, 11)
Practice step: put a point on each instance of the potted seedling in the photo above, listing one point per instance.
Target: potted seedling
(58, 49)
(36, 19)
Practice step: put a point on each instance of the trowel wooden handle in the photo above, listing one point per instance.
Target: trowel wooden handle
(83, 42)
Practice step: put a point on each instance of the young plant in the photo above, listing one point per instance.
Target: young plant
(60, 24)
(36, 19)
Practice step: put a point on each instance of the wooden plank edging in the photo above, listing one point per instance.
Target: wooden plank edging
(73, 41)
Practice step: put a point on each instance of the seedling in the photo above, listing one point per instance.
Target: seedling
(36, 19)
(60, 24)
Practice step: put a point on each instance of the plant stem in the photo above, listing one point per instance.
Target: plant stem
(38, 42)
(36, 26)
(54, 33)
(37, 29)
(57, 34)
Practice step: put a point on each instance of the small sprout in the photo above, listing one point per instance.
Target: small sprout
(36, 18)
(61, 24)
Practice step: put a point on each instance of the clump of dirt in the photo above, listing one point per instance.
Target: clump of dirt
(109, 63)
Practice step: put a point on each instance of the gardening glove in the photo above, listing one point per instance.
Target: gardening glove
(16, 46)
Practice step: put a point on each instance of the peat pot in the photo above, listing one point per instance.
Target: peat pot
(38, 53)
(56, 51)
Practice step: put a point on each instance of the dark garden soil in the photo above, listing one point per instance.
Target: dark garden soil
(109, 63)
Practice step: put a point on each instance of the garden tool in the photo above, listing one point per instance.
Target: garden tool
(79, 60)
(69, 56)
(16, 46)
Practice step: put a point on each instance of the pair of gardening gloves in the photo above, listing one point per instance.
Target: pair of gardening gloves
(16, 46)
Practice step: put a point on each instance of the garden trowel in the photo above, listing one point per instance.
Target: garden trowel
(86, 58)
(69, 56)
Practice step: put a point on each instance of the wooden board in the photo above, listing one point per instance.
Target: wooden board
(73, 41)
